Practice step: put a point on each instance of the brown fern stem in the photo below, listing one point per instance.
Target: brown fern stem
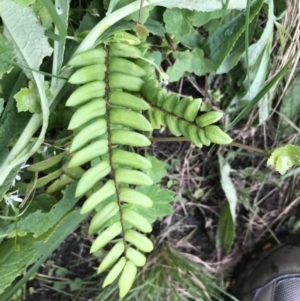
(107, 105)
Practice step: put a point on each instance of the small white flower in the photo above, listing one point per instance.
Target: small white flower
(44, 151)
(12, 197)
(24, 165)
(164, 78)
(18, 177)
(164, 82)
(59, 11)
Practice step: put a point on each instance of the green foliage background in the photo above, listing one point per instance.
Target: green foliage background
(208, 41)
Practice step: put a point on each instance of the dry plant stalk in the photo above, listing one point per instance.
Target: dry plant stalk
(291, 24)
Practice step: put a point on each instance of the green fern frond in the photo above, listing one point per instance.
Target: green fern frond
(182, 116)
(115, 88)
(107, 120)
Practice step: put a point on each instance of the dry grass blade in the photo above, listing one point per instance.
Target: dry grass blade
(291, 24)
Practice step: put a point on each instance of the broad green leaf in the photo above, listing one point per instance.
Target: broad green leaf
(238, 50)
(116, 4)
(28, 98)
(1, 105)
(39, 222)
(112, 4)
(42, 203)
(258, 47)
(226, 225)
(8, 181)
(32, 250)
(202, 17)
(220, 43)
(262, 93)
(22, 26)
(157, 57)
(87, 23)
(12, 123)
(203, 5)
(8, 83)
(192, 40)
(161, 199)
(155, 27)
(207, 5)
(158, 170)
(228, 186)
(264, 104)
(42, 12)
(258, 73)
(59, 46)
(6, 55)
(25, 2)
(14, 259)
(145, 15)
(225, 229)
(60, 117)
(284, 158)
(258, 68)
(134, 16)
(191, 62)
(290, 107)
(61, 229)
(119, 26)
(178, 21)
(56, 12)
(280, 8)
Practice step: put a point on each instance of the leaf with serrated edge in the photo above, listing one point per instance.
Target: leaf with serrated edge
(28, 98)
(6, 56)
(178, 21)
(14, 261)
(161, 199)
(158, 170)
(39, 222)
(285, 157)
(189, 61)
(220, 43)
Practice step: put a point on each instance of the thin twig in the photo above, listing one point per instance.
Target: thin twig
(249, 147)
(288, 121)
(30, 191)
(235, 144)
(141, 11)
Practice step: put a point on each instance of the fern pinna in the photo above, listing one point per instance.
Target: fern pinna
(182, 116)
(116, 87)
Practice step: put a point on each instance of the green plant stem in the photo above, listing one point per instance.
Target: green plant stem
(109, 20)
(249, 147)
(15, 158)
(235, 144)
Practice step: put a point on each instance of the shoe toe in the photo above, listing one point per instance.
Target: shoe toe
(273, 276)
